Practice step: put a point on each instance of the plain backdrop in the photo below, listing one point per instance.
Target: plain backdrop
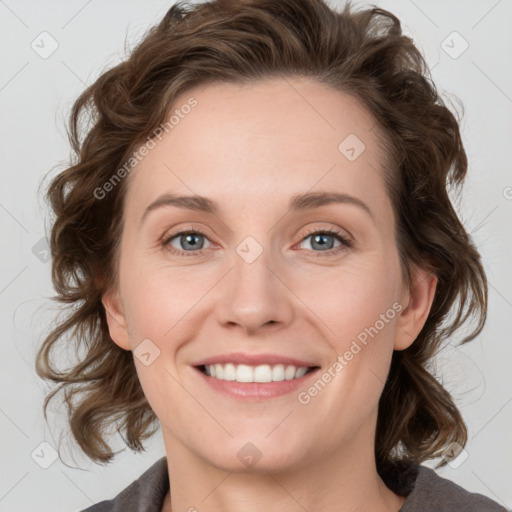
(468, 45)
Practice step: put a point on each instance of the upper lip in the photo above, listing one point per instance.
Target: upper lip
(253, 360)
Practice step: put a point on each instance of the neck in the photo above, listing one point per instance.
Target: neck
(343, 481)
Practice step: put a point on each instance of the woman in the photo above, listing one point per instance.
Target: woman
(261, 250)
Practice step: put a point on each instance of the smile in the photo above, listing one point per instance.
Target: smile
(253, 376)
(261, 373)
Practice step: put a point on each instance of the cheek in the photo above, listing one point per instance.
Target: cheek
(163, 303)
(158, 301)
(352, 298)
(359, 308)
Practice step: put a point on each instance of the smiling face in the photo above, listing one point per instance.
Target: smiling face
(252, 283)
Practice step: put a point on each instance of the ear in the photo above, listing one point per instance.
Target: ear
(116, 319)
(417, 301)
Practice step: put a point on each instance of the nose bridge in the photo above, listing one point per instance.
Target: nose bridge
(255, 296)
(252, 262)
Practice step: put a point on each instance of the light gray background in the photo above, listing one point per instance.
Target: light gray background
(35, 97)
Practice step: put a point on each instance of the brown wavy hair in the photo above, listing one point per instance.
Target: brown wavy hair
(359, 52)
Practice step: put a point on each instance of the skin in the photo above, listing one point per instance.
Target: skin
(250, 148)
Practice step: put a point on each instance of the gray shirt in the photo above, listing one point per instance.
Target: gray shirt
(431, 493)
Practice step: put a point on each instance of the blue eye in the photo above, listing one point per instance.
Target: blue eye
(191, 242)
(321, 239)
(190, 239)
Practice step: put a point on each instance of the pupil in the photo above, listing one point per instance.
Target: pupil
(189, 240)
(318, 238)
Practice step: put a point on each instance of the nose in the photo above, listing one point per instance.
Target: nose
(254, 295)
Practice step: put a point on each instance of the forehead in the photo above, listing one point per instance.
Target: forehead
(263, 142)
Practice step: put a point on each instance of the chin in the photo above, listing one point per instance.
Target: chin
(255, 453)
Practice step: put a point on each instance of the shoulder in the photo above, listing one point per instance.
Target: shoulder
(146, 494)
(432, 492)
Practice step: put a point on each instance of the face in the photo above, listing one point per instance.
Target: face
(271, 279)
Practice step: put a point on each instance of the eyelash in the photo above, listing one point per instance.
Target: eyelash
(345, 242)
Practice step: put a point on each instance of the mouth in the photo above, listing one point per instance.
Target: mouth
(265, 373)
(256, 377)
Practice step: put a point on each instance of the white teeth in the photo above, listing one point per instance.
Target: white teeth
(261, 373)
(229, 372)
(278, 373)
(289, 372)
(300, 372)
(244, 373)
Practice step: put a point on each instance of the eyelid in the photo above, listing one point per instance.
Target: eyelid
(328, 228)
(346, 242)
(166, 239)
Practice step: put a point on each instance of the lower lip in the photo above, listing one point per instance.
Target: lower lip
(255, 390)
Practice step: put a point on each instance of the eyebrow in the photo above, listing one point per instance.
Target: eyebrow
(297, 202)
